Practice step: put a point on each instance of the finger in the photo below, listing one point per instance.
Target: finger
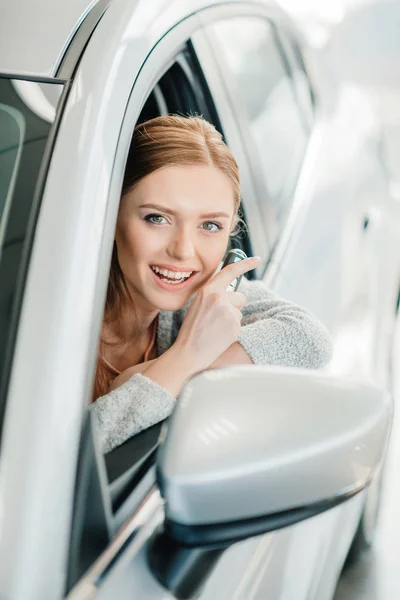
(221, 280)
(237, 299)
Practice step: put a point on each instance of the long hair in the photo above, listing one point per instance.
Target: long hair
(158, 143)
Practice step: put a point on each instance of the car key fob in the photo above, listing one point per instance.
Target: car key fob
(233, 256)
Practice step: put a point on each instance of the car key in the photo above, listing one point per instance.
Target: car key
(233, 256)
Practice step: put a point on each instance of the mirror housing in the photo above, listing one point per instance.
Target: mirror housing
(251, 449)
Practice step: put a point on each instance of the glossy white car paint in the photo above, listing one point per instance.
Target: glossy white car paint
(305, 437)
(325, 261)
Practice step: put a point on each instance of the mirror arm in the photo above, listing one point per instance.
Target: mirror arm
(181, 557)
(182, 571)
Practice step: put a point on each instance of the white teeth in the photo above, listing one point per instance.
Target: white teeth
(173, 282)
(172, 274)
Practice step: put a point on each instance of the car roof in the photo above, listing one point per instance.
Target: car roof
(35, 34)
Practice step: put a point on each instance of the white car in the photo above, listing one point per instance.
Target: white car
(261, 484)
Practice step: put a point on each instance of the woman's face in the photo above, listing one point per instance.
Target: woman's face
(172, 232)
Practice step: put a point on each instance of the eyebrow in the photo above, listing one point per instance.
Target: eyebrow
(164, 209)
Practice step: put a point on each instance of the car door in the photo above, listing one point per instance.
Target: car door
(248, 569)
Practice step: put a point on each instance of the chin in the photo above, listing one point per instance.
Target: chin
(171, 304)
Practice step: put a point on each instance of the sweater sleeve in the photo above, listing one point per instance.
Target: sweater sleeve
(277, 332)
(135, 405)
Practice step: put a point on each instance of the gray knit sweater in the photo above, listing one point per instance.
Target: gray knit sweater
(274, 332)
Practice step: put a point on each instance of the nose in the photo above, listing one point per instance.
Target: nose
(181, 245)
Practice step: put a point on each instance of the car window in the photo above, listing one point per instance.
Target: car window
(268, 97)
(180, 90)
(27, 116)
(12, 127)
(112, 486)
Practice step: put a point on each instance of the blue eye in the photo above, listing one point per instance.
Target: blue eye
(211, 226)
(155, 218)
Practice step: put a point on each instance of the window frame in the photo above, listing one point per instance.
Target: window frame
(120, 496)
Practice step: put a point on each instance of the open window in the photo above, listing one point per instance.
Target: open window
(181, 90)
(109, 489)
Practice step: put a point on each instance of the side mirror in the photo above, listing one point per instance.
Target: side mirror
(252, 449)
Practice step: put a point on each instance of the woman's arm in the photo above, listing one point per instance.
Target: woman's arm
(135, 405)
(277, 332)
(127, 374)
(234, 355)
(136, 402)
(273, 331)
(170, 370)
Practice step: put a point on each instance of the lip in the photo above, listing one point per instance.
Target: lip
(172, 287)
(172, 268)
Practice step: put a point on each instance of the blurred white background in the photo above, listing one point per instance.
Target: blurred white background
(363, 39)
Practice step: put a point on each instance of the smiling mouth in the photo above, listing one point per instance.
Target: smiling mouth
(172, 277)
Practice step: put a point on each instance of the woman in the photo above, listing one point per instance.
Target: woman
(167, 315)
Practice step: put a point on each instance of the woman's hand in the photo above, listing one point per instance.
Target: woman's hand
(212, 323)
